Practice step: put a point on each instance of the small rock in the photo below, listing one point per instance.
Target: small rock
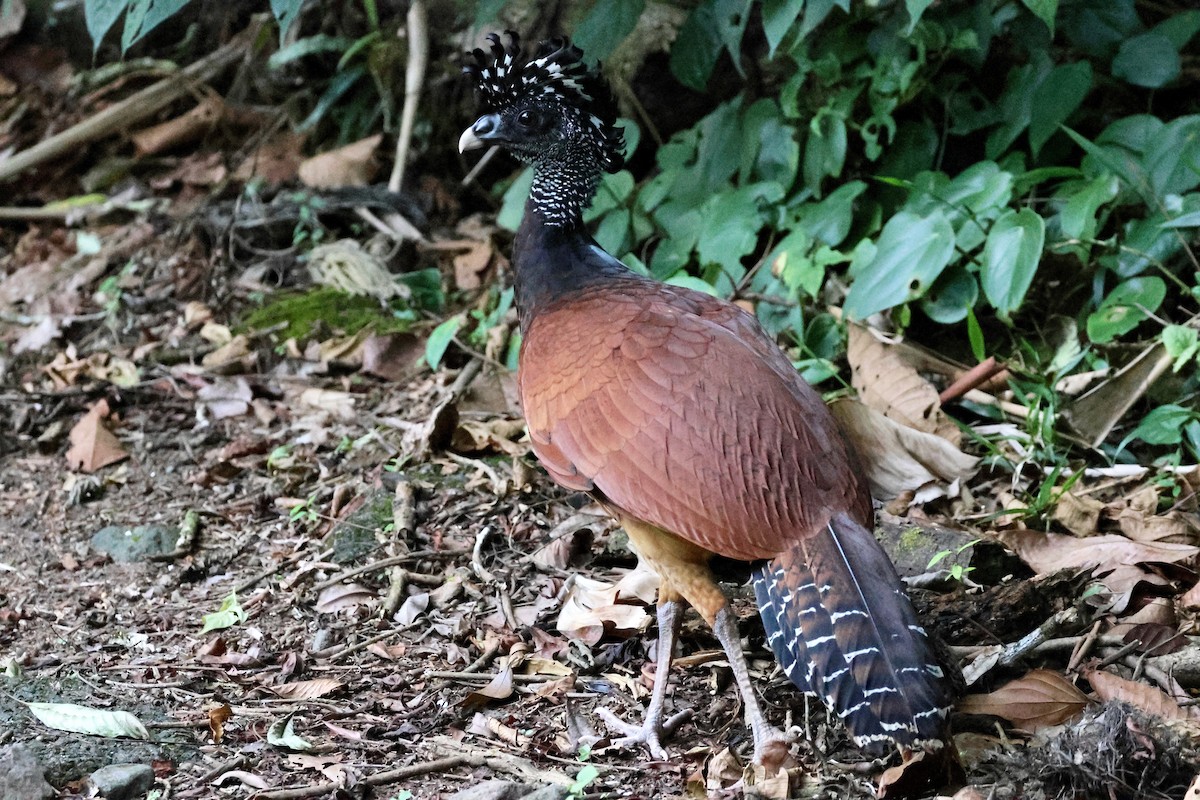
(123, 781)
(547, 793)
(492, 790)
(134, 544)
(21, 776)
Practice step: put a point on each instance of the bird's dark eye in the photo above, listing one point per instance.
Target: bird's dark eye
(526, 119)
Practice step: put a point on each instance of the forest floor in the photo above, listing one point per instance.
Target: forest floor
(310, 565)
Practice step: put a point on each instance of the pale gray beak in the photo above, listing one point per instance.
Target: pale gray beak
(469, 141)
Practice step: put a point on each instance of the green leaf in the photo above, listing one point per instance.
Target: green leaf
(1055, 99)
(229, 614)
(286, 12)
(612, 234)
(1150, 60)
(84, 719)
(692, 282)
(951, 297)
(975, 337)
(1171, 159)
(143, 16)
(731, 224)
(915, 9)
(1045, 10)
(609, 22)
(1015, 109)
(1125, 307)
(342, 82)
(829, 221)
(910, 254)
(696, 47)
(309, 45)
(512, 207)
(778, 16)
(1010, 258)
(1182, 344)
(99, 16)
(440, 338)
(824, 150)
(1162, 426)
(613, 192)
(1077, 220)
(1191, 220)
(1180, 27)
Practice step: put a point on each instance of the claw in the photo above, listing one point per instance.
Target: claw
(649, 734)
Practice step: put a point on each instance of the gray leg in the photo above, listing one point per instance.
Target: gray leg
(770, 745)
(653, 729)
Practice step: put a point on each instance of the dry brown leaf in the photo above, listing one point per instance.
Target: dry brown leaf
(1078, 514)
(308, 690)
(1139, 695)
(277, 161)
(1050, 552)
(1177, 527)
(1037, 700)
(537, 665)
(93, 445)
(898, 458)
(216, 721)
(352, 165)
(499, 687)
(1190, 599)
(888, 383)
(590, 610)
(392, 356)
(470, 265)
(344, 596)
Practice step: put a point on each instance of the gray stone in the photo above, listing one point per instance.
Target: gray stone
(134, 544)
(547, 793)
(123, 781)
(492, 790)
(21, 776)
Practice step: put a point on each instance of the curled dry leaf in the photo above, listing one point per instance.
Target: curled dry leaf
(888, 383)
(308, 690)
(1079, 514)
(217, 718)
(898, 458)
(499, 688)
(343, 596)
(1039, 699)
(1141, 696)
(352, 165)
(591, 610)
(93, 445)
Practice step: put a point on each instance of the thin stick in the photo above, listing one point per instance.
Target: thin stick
(429, 767)
(971, 379)
(414, 79)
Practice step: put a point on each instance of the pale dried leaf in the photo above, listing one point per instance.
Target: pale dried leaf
(500, 687)
(589, 611)
(888, 383)
(243, 777)
(224, 398)
(898, 458)
(93, 445)
(1175, 526)
(343, 596)
(1190, 599)
(470, 265)
(1050, 552)
(413, 607)
(308, 690)
(1147, 698)
(1078, 514)
(1193, 791)
(352, 165)
(338, 404)
(84, 719)
(1039, 699)
(537, 665)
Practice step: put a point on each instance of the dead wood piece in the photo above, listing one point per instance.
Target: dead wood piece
(133, 109)
(1011, 653)
(379, 778)
(1183, 665)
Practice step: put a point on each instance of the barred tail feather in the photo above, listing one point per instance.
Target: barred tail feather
(842, 627)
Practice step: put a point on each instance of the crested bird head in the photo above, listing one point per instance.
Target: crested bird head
(544, 109)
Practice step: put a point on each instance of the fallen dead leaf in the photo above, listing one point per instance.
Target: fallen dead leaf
(1078, 514)
(216, 721)
(308, 690)
(343, 596)
(590, 610)
(888, 383)
(1140, 695)
(1050, 552)
(93, 445)
(898, 458)
(499, 687)
(1039, 699)
(352, 165)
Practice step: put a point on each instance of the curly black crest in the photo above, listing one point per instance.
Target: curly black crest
(505, 78)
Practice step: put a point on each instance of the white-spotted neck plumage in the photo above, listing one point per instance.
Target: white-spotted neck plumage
(549, 111)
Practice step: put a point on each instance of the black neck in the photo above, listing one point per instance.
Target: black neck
(552, 260)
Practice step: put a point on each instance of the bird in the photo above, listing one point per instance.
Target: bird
(686, 422)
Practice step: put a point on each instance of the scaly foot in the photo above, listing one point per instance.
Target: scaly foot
(650, 733)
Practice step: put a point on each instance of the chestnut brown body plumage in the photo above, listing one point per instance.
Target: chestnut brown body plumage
(677, 412)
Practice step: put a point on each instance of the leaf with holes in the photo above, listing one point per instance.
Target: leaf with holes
(1125, 308)
(911, 252)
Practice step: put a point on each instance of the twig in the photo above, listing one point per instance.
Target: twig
(403, 516)
(336, 655)
(414, 79)
(985, 399)
(133, 109)
(1084, 647)
(237, 762)
(379, 778)
(187, 539)
(1011, 653)
(971, 379)
(384, 563)
(480, 164)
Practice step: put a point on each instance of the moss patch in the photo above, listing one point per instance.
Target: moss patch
(323, 311)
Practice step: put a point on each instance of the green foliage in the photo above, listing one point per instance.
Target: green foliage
(323, 311)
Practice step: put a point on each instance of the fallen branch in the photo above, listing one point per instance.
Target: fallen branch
(133, 109)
